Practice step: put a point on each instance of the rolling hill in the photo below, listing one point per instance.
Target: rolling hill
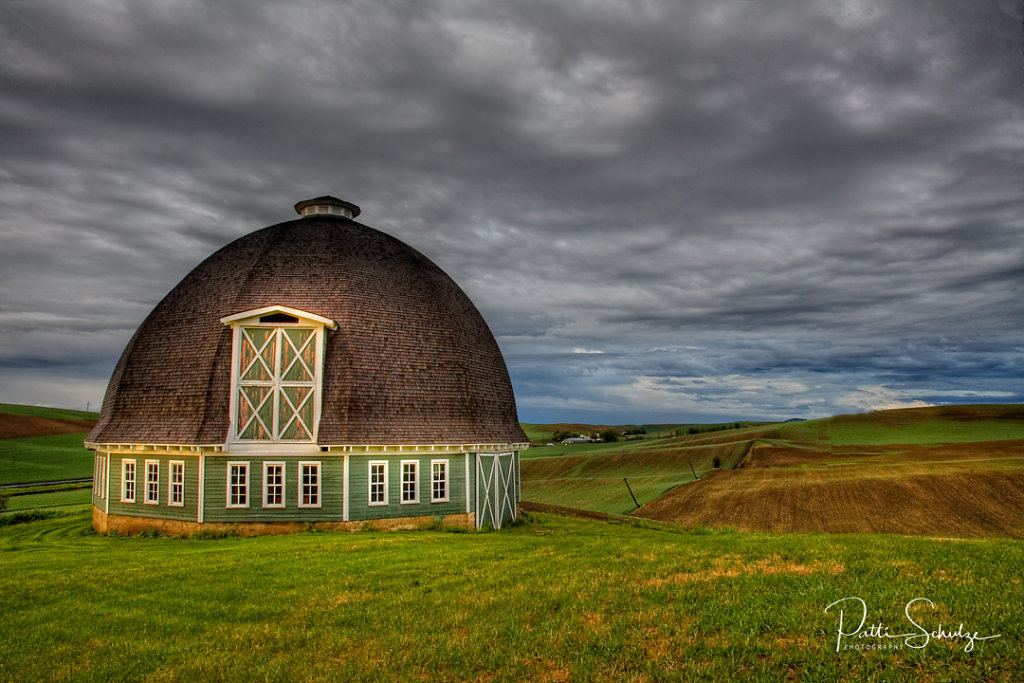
(43, 444)
(950, 470)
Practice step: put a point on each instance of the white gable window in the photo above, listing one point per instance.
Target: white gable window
(276, 374)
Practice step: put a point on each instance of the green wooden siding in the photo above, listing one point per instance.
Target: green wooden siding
(331, 488)
(359, 473)
(471, 483)
(518, 482)
(216, 510)
(161, 509)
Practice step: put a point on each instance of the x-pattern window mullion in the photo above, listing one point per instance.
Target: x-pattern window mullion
(288, 400)
(258, 354)
(298, 354)
(295, 411)
(279, 333)
(255, 411)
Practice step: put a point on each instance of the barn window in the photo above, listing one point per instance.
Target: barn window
(152, 482)
(378, 483)
(176, 483)
(410, 481)
(309, 484)
(127, 481)
(97, 477)
(101, 476)
(438, 481)
(238, 485)
(276, 374)
(273, 484)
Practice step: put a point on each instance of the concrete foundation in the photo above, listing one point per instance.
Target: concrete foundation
(130, 525)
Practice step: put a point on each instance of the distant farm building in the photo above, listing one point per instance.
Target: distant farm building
(315, 371)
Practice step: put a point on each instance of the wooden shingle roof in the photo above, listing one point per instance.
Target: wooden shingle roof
(411, 362)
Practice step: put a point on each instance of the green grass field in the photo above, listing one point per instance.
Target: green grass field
(590, 476)
(44, 458)
(948, 424)
(54, 499)
(551, 599)
(51, 413)
(49, 457)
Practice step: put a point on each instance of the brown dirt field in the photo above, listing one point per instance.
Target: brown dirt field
(21, 426)
(951, 490)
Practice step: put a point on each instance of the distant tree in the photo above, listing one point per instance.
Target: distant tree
(717, 462)
(561, 435)
(4, 499)
(693, 430)
(610, 435)
(736, 425)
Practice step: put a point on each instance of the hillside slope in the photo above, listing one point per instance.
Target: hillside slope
(591, 476)
(951, 470)
(18, 421)
(43, 444)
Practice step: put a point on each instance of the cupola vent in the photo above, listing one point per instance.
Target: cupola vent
(327, 205)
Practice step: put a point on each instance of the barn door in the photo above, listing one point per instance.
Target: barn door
(495, 489)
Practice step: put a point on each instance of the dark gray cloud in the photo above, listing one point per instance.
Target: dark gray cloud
(664, 210)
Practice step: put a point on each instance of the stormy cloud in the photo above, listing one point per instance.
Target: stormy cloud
(665, 211)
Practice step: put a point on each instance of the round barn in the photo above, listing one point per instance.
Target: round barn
(315, 371)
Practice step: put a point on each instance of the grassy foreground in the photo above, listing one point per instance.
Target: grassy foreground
(551, 599)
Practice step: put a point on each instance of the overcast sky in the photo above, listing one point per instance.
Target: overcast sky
(666, 211)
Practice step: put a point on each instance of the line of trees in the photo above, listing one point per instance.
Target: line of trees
(703, 430)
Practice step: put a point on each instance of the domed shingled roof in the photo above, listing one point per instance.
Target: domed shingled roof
(411, 362)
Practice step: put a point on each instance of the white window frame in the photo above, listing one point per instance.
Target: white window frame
(251, 319)
(246, 487)
(281, 485)
(446, 480)
(125, 480)
(152, 484)
(415, 483)
(172, 484)
(98, 486)
(302, 481)
(96, 477)
(370, 482)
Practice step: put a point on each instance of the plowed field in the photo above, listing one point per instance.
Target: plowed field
(21, 426)
(967, 489)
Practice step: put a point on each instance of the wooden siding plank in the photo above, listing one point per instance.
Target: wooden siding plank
(359, 470)
(187, 512)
